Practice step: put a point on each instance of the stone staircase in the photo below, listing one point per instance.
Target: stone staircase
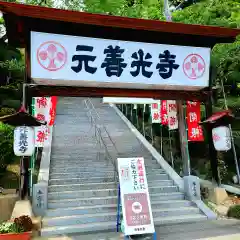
(82, 192)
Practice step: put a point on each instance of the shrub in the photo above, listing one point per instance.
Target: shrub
(19, 225)
(10, 227)
(24, 222)
(234, 211)
(6, 146)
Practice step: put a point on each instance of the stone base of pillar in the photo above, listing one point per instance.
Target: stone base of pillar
(218, 195)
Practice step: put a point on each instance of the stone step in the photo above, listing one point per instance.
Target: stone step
(77, 152)
(100, 179)
(95, 171)
(78, 169)
(91, 186)
(83, 156)
(72, 143)
(87, 179)
(104, 192)
(111, 216)
(101, 168)
(90, 174)
(104, 226)
(82, 168)
(69, 211)
(77, 202)
(94, 161)
(79, 157)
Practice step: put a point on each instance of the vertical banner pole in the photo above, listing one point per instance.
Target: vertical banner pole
(131, 107)
(137, 117)
(170, 146)
(143, 120)
(161, 140)
(118, 208)
(152, 133)
(32, 159)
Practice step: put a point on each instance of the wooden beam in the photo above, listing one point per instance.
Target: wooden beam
(75, 23)
(40, 90)
(114, 21)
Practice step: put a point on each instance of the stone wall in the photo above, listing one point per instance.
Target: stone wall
(7, 203)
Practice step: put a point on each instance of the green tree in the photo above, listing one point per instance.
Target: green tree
(225, 57)
(151, 9)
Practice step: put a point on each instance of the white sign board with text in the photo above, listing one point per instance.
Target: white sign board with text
(136, 206)
(155, 112)
(82, 61)
(122, 100)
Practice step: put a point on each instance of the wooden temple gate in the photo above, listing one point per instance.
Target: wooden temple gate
(33, 28)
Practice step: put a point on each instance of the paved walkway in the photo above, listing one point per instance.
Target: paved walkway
(207, 230)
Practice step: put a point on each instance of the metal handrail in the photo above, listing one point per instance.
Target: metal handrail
(104, 127)
(98, 133)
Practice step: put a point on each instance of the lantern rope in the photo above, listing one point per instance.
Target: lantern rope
(231, 135)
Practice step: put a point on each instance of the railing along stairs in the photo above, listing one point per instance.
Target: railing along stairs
(102, 134)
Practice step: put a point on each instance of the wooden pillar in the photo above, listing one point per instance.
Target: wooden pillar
(212, 151)
(183, 139)
(209, 111)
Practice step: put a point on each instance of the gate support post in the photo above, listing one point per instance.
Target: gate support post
(183, 139)
(212, 151)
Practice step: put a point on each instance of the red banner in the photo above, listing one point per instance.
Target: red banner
(195, 132)
(53, 110)
(164, 115)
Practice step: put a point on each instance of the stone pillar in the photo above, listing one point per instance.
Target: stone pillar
(39, 198)
(192, 187)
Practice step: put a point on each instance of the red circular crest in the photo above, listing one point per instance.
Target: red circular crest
(51, 56)
(194, 66)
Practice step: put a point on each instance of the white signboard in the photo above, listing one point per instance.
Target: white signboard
(172, 114)
(155, 112)
(221, 138)
(70, 60)
(23, 141)
(122, 100)
(137, 212)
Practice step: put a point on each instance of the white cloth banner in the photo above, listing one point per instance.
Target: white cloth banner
(155, 112)
(42, 107)
(42, 134)
(172, 114)
(136, 206)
